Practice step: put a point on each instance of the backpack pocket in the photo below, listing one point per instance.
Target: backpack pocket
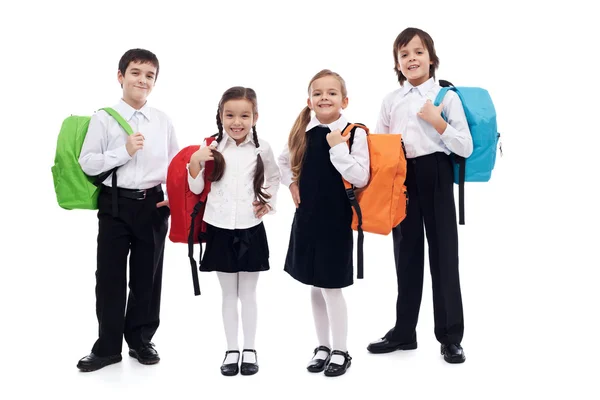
(74, 189)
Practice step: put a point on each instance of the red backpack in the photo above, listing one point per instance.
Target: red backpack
(187, 208)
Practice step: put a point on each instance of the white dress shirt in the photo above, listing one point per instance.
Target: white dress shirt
(399, 115)
(104, 147)
(229, 202)
(353, 166)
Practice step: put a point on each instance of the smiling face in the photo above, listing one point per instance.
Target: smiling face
(327, 99)
(137, 83)
(238, 118)
(414, 61)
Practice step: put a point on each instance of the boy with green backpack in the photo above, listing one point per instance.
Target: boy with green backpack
(122, 157)
(74, 189)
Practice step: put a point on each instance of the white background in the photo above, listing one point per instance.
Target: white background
(529, 265)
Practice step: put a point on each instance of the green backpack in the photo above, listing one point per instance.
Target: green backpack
(74, 189)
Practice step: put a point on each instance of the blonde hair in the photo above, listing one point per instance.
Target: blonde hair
(297, 138)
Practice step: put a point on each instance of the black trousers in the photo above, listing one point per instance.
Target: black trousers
(431, 204)
(139, 232)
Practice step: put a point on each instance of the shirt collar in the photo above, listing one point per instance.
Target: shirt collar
(228, 139)
(340, 123)
(423, 88)
(127, 111)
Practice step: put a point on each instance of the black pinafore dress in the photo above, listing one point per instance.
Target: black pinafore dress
(321, 240)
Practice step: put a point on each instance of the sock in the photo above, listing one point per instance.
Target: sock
(321, 319)
(338, 318)
(232, 358)
(229, 309)
(247, 294)
(249, 357)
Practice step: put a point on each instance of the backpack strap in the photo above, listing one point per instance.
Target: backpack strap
(119, 119)
(193, 263)
(208, 166)
(126, 127)
(461, 161)
(351, 128)
(102, 177)
(201, 235)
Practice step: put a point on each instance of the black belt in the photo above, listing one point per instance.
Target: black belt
(134, 194)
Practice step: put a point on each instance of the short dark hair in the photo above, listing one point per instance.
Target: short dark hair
(140, 56)
(403, 39)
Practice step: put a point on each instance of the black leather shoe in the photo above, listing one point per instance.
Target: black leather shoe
(146, 354)
(318, 364)
(337, 369)
(249, 368)
(232, 368)
(385, 345)
(453, 353)
(92, 362)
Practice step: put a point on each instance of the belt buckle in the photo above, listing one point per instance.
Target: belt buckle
(143, 191)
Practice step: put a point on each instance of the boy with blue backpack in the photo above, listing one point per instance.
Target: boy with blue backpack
(435, 131)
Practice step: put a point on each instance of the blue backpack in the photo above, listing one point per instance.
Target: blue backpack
(481, 117)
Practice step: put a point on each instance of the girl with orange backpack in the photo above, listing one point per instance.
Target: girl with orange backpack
(244, 183)
(313, 163)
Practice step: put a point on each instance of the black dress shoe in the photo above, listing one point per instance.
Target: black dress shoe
(318, 364)
(146, 354)
(249, 368)
(337, 369)
(453, 353)
(92, 362)
(232, 368)
(385, 345)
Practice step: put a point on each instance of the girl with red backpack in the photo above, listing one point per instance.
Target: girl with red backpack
(244, 184)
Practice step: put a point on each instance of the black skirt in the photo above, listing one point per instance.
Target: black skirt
(238, 250)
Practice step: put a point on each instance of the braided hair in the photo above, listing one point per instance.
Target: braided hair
(240, 93)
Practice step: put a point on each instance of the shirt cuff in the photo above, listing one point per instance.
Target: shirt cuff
(287, 179)
(449, 132)
(122, 155)
(271, 205)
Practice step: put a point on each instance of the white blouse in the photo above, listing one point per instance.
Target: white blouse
(229, 202)
(353, 166)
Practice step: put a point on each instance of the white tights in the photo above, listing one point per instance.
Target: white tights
(242, 286)
(329, 310)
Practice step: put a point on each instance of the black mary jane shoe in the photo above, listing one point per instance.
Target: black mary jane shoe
(337, 369)
(232, 368)
(318, 364)
(249, 368)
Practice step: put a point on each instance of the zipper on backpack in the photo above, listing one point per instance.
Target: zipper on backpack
(499, 144)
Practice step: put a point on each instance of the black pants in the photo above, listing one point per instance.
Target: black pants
(431, 203)
(139, 231)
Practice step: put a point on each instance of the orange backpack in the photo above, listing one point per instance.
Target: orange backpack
(381, 205)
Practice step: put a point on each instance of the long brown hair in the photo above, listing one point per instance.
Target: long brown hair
(240, 93)
(297, 138)
(403, 39)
